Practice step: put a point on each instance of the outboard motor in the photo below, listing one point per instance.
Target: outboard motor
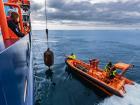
(48, 58)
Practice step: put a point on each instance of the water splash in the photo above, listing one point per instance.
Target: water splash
(132, 97)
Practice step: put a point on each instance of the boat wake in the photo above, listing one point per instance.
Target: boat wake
(132, 97)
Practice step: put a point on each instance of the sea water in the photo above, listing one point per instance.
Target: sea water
(59, 87)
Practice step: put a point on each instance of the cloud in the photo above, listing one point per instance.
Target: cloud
(124, 12)
(36, 6)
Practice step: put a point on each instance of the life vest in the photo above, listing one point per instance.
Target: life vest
(72, 57)
(108, 67)
(113, 73)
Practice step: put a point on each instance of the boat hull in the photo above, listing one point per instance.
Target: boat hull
(93, 81)
(16, 78)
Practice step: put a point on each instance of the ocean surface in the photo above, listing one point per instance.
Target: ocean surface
(60, 87)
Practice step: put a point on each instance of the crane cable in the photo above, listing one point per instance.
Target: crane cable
(46, 18)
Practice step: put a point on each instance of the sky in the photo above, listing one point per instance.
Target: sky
(86, 14)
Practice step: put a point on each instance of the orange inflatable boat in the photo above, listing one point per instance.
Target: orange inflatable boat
(98, 77)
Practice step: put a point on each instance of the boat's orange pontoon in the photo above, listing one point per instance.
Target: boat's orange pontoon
(98, 77)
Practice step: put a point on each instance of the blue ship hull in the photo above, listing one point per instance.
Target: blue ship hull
(16, 77)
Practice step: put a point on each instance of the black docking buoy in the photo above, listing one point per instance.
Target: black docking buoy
(48, 58)
(48, 55)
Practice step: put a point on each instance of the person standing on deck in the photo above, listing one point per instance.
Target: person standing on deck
(108, 66)
(13, 21)
(108, 69)
(112, 73)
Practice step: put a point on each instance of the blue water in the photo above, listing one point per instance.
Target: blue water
(61, 88)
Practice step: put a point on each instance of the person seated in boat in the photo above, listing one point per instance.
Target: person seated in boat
(72, 56)
(112, 73)
(108, 66)
(13, 24)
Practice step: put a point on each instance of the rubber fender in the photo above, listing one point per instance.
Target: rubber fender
(48, 57)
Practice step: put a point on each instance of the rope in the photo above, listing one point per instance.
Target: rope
(46, 12)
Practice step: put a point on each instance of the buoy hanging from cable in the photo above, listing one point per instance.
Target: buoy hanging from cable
(48, 54)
